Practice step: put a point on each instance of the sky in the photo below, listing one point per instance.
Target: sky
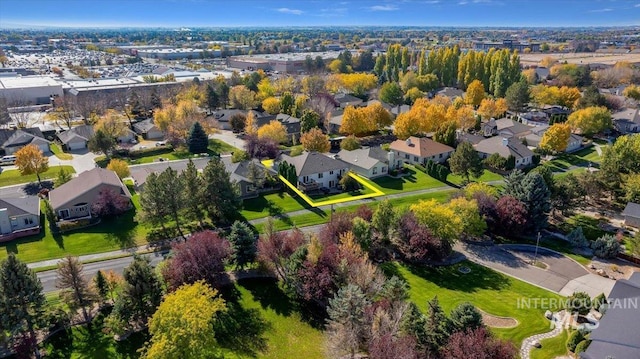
(282, 13)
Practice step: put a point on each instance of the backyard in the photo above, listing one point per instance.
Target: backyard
(487, 176)
(413, 181)
(13, 177)
(568, 162)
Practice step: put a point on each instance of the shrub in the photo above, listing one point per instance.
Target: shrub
(599, 301)
(349, 184)
(577, 238)
(50, 214)
(296, 151)
(71, 225)
(579, 302)
(574, 339)
(582, 346)
(496, 161)
(606, 246)
(239, 156)
(350, 143)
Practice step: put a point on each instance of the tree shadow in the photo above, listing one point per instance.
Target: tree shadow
(60, 345)
(268, 294)
(33, 188)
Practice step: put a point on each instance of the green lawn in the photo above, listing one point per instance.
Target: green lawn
(580, 158)
(333, 197)
(263, 323)
(487, 176)
(271, 205)
(109, 235)
(416, 180)
(55, 148)
(552, 347)
(13, 177)
(590, 226)
(488, 290)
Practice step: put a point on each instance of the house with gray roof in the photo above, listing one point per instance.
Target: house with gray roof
(239, 172)
(369, 162)
(19, 216)
(148, 130)
(505, 147)
(315, 170)
(507, 127)
(618, 332)
(631, 215)
(451, 93)
(627, 121)
(345, 100)
(13, 140)
(291, 124)
(73, 200)
(139, 173)
(76, 138)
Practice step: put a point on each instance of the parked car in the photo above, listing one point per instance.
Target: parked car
(161, 143)
(8, 160)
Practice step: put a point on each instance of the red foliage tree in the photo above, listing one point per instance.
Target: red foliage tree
(512, 215)
(261, 147)
(477, 344)
(274, 248)
(110, 203)
(365, 212)
(200, 257)
(417, 243)
(339, 224)
(487, 209)
(389, 347)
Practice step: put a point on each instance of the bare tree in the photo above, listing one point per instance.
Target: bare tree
(16, 107)
(75, 287)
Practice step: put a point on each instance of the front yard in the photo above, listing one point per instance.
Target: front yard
(414, 180)
(487, 176)
(13, 177)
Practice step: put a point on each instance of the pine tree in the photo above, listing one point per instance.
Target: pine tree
(414, 324)
(213, 100)
(101, 285)
(198, 140)
(437, 326)
(75, 291)
(531, 190)
(243, 244)
(152, 201)
(465, 161)
(141, 292)
(173, 195)
(194, 194)
(346, 326)
(221, 194)
(255, 175)
(465, 317)
(21, 300)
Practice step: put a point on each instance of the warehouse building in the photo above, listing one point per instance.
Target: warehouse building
(29, 90)
(285, 63)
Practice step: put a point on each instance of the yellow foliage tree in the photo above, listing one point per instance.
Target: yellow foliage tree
(112, 123)
(358, 83)
(315, 140)
(530, 76)
(364, 120)
(473, 188)
(632, 92)
(467, 211)
(548, 61)
(250, 124)
(475, 93)
(556, 138)
(30, 160)
(242, 98)
(443, 222)
(553, 95)
(265, 88)
(490, 108)
(182, 327)
(176, 120)
(273, 130)
(120, 167)
(192, 93)
(271, 105)
(590, 120)
(464, 117)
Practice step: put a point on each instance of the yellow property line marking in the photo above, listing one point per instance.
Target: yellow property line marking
(376, 192)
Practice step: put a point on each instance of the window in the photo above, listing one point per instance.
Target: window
(384, 169)
(64, 213)
(28, 221)
(415, 159)
(440, 156)
(330, 172)
(406, 156)
(375, 170)
(320, 175)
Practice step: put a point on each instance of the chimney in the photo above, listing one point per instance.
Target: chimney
(505, 141)
(409, 142)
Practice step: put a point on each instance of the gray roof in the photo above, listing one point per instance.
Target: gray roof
(617, 334)
(310, 163)
(512, 126)
(347, 99)
(239, 171)
(363, 157)
(140, 173)
(85, 182)
(84, 132)
(632, 210)
(495, 144)
(629, 114)
(144, 126)
(22, 137)
(226, 114)
(450, 92)
(21, 205)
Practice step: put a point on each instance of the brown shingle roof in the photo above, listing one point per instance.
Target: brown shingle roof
(421, 147)
(83, 183)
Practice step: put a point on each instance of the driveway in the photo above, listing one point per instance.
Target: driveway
(82, 161)
(228, 137)
(562, 275)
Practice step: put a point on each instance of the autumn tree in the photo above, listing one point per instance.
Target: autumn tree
(120, 167)
(182, 327)
(177, 120)
(477, 343)
(109, 203)
(358, 83)
(312, 85)
(271, 105)
(441, 219)
(490, 108)
(465, 161)
(102, 142)
(274, 130)
(22, 303)
(553, 95)
(75, 290)
(383, 218)
(112, 123)
(512, 215)
(242, 98)
(632, 92)
(475, 93)
(315, 140)
(467, 211)
(30, 160)
(590, 120)
(350, 143)
(556, 137)
(275, 248)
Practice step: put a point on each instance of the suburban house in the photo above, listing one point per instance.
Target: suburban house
(369, 162)
(140, 173)
(418, 150)
(223, 117)
(291, 124)
(616, 335)
(74, 199)
(148, 130)
(627, 121)
(534, 118)
(450, 92)
(76, 138)
(315, 170)
(13, 140)
(345, 100)
(490, 128)
(335, 120)
(239, 172)
(505, 147)
(631, 215)
(19, 217)
(533, 139)
(127, 136)
(507, 127)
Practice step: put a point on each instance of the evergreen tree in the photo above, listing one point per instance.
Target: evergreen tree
(152, 202)
(141, 292)
(414, 323)
(75, 291)
(221, 194)
(213, 100)
(21, 301)
(437, 326)
(286, 103)
(465, 317)
(156, 103)
(309, 120)
(198, 140)
(243, 244)
(518, 96)
(173, 195)
(194, 194)
(531, 190)
(223, 94)
(255, 175)
(346, 326)
(102, 287)
(465, 161)
(446, 133)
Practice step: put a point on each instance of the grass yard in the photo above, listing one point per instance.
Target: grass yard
(263, 323)
(109, 235)
(271, 205)
(55, 148)
(13, 177)
(487, 176)
(590, 226)
(488, 290)
(552, 347)
(416, 180)
(581, 158)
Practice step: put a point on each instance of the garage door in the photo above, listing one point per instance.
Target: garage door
(44, 148)
(76, 145)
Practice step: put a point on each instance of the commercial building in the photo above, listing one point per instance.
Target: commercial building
(29, 90)
(285, 63)
(506, 44)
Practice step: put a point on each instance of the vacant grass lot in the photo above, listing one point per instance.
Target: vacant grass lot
(581, 158)
(271, 205)
(488, 290)
(13, 177)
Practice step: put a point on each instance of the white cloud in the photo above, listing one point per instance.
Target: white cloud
(432, 2)
(383, 8)
(636, 5)
(463, 2)
(602, 10)
(286, 10)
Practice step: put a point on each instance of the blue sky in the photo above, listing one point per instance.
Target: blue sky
(192, 13)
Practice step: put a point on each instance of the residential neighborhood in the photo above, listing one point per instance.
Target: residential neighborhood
(286, 189)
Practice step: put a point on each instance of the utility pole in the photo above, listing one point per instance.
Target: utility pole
(535, 256)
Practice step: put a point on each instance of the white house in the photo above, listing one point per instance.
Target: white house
(369, 162)
(19, 215)
(505, 147)
(416, 150)
(315, 170)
